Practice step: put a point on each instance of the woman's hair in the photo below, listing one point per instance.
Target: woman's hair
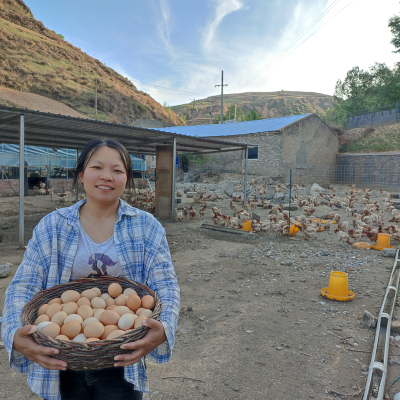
(92, 146)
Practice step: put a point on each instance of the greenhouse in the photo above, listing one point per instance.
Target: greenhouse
(43, 161)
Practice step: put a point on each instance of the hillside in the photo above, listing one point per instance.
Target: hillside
(268, 104)
(374, 139)
(35, 59)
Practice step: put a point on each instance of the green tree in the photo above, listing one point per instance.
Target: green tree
(252, 116)
(394, 25)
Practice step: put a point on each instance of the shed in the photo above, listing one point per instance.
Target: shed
(29, 127)
(279, 144)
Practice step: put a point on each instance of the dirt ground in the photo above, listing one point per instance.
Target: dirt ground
(253, 324)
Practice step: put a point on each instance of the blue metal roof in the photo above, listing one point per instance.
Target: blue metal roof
(240, 128)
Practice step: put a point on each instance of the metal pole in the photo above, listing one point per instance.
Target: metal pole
(222, 96)
(290, 197)
(77, 183)
(245, 172)
(211, 111)
(95, 98)
(21, 179)
(173, 179)
(235, 115)
(193, 110)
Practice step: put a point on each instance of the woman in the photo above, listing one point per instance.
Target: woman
(97, 236)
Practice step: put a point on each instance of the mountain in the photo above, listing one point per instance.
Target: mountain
(267, 104)
(36, 60)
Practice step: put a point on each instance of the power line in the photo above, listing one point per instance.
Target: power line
(283, 54)
(166, 88)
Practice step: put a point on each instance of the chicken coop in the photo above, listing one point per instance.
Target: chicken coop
(276, 145)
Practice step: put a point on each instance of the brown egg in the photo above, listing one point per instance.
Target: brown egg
(89, 293)
(52, 309)
(139, 311)
(59, 318)
(85, 311)
(94, 329)
(42, 309)
(98, 302)
(73, 317)
(71, 329)
(83, 301)
(110, 302)
(111, 307)
(91, 339)
(70, 295)
(56, 300)
(121, 310)
(114, 289)
(148, 302)
(107, 330)
(121, 300)
(134, 302)
(62, 337)
(115, 334)
(109, 317)
(139, 320)
(41, 318)
(97, 290)
(129, 291)
(51, 329)
(70, 308)
(88, 321)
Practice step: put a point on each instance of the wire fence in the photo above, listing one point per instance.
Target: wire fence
(362, 174)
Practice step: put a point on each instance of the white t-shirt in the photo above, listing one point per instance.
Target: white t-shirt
(95, 259)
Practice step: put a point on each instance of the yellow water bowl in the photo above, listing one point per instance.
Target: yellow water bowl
(247, 226)
(362, 245)
(338, 287)
(383, 242)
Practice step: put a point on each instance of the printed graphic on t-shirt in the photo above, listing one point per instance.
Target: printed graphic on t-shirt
(99, 263)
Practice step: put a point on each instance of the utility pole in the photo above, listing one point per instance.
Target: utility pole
(193, 109)
(222, 96)
(95, 98)
(212, 98)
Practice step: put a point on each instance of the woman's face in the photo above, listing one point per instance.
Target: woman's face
(104, 177)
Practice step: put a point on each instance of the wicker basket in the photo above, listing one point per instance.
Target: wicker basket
(92, 355)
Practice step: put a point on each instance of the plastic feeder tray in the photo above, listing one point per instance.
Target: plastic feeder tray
(338, 287)
(293, 229)
(362, 245)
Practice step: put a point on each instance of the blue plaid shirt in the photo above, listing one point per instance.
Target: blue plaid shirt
(144, 256)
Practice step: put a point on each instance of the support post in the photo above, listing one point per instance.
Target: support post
(173, 180)
(21, 180)
(290, 198)
(77, 180)
(246, 152)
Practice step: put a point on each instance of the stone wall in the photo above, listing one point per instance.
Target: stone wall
(369, 170)
(308, 144)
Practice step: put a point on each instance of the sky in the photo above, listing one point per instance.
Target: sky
(175, 50)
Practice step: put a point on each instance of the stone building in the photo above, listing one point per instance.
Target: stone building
(299, 142)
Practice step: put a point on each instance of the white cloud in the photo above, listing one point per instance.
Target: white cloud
(224, 8)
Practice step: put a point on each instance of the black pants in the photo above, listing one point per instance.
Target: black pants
(102, 384)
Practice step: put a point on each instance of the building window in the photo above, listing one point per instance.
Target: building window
(253, 153)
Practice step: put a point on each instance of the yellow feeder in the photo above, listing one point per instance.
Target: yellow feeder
(383, 242)
(293, 229)
(247, 226)
(362, 245)
(338, 287)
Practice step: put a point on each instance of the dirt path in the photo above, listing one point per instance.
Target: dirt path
(258, 327)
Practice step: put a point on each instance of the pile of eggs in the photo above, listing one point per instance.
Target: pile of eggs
(91, 315)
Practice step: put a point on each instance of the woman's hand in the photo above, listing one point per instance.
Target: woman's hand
(24, 344)
(154, 337)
